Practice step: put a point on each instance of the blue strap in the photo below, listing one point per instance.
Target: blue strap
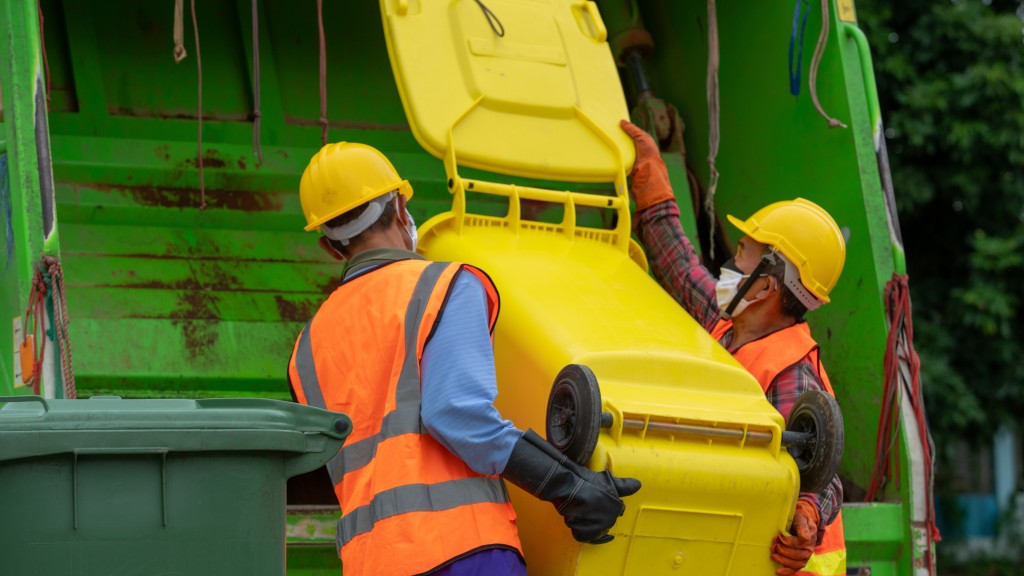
(6, 213)
(801, 23)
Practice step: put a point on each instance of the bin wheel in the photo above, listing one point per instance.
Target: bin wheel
(574, 413)
(817, 415)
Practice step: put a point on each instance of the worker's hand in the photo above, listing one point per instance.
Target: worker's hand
(793, 552)
(594, 505)
(589, 502)
(650, 176)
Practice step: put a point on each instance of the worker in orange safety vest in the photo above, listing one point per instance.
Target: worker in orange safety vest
(787, 262)
(403, 346)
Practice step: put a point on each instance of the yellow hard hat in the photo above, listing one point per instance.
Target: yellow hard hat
(342, 176)
(807, 236)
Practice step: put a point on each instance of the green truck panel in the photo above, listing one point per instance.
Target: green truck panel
(167, 300)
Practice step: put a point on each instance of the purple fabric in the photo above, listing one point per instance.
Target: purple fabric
(490, 562)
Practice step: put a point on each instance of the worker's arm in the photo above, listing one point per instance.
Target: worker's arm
(675, 263)
(458, 391)
(783, 393)
(656, 222)
(458, 384)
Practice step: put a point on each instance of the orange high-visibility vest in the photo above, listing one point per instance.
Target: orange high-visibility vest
(408, 505)
(765, 358)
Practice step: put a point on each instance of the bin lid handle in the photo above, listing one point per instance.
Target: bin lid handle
(39, 399)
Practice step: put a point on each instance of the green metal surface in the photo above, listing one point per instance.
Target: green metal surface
(875, 537)
(319, 560)
(169, 301)
(33, 224)
(867, 69)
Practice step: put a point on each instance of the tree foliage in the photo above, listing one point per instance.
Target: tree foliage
(951, 82)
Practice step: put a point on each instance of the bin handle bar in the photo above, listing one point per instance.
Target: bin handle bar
(545, 195)
(747, 436)
(13, 399)
(457, 186)
(597, 27)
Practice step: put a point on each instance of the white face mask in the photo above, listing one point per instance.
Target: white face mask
(411, 229)
(727, 289)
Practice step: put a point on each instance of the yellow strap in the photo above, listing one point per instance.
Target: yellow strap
(829, 564)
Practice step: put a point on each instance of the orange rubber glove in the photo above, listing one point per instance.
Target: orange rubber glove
(793, 552)
(650, 177)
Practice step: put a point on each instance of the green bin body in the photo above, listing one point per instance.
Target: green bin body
(157, 487)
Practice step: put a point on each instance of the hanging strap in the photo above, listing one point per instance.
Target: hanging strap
(819, 50)
(256, 148)
(713, 116)
(35, 338)
(902, 376)
(199, 106)
(323, 72)
(179, 31)
(48, 279)
(492, 19)
(61, 321)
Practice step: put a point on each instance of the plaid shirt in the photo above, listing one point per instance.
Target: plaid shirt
(678, 269)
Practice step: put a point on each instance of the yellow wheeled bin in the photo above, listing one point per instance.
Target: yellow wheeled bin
(581, 324)
(589, 350)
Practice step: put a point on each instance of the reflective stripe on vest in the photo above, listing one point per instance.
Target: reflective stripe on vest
(766, 358)
(307, 370)
(419, 498)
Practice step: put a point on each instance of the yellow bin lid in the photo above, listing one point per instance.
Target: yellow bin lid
(521, 87)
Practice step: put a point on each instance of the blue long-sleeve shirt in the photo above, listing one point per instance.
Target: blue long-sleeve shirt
(458, 384)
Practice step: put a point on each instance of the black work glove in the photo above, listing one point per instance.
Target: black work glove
(588, 501)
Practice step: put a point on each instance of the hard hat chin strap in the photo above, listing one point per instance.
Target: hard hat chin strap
(362, 223)
(751, 278)
(791, 279)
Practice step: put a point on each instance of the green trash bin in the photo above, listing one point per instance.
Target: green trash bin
(153, 487)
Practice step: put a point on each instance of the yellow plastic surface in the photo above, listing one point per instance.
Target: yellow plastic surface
(709, 505)
(542, 101)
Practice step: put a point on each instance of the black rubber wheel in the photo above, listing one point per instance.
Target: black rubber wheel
(817, 414)
(574, 413)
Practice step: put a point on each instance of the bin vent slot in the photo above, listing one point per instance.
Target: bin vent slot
(682, 541)
(130, 464)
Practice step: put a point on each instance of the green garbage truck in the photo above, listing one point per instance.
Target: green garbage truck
(151, 242)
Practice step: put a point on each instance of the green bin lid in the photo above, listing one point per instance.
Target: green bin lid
(32, 426)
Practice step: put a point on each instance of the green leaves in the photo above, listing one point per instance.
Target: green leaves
(951, 81)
